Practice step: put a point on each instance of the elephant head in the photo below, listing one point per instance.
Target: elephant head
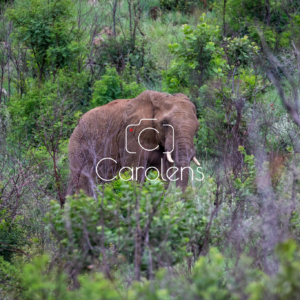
(173, 121)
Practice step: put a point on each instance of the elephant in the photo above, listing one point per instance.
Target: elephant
(152, 131)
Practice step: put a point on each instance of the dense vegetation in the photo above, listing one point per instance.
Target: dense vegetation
(234, 235)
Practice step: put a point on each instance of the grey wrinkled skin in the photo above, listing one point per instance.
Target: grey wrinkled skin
(100, 134)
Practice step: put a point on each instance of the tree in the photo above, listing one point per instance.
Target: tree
(47, 29)
(193, 57)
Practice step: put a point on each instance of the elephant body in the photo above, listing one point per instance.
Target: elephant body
(132, 135)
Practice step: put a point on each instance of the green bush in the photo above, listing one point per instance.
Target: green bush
(12, 236)
(51, 103)
(38, 281)
(285, 284)
(112, 87)
(126, 56)
(166, 224)
(185, 6)
(45, 28)
(193, 63)
(209, 279)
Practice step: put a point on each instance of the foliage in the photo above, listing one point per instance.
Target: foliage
(207, 281)
(246, 182)
(183, 5)
(225, 237)
(12, 236)
(47, 106)
(285, 284)
(212, 285)
(126, 56)
(193, 56)
(37, 281)
(44, 27)
(202, 56)
(159, 219)
(273, 18)
(232, 92)
(112, 87)
(43, 120)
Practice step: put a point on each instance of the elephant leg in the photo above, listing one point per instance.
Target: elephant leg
(85, 185)
(80, 180)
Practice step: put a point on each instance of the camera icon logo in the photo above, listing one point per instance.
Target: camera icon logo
(148, 128)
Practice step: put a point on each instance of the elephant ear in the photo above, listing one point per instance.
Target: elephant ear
(137, 110)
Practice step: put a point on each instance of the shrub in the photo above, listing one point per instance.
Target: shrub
(166, 226)
(112, 87)
(183, 5)
(48, 103)
(12, 236)
(44, 27)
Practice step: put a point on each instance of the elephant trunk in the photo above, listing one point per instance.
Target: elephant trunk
(183, 178)
(183, 154)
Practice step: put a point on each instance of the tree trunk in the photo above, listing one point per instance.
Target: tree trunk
(224, 17)
(268, 14)
(114, 16)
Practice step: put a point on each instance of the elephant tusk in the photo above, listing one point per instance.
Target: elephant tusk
(196, 161)
(169, 157)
